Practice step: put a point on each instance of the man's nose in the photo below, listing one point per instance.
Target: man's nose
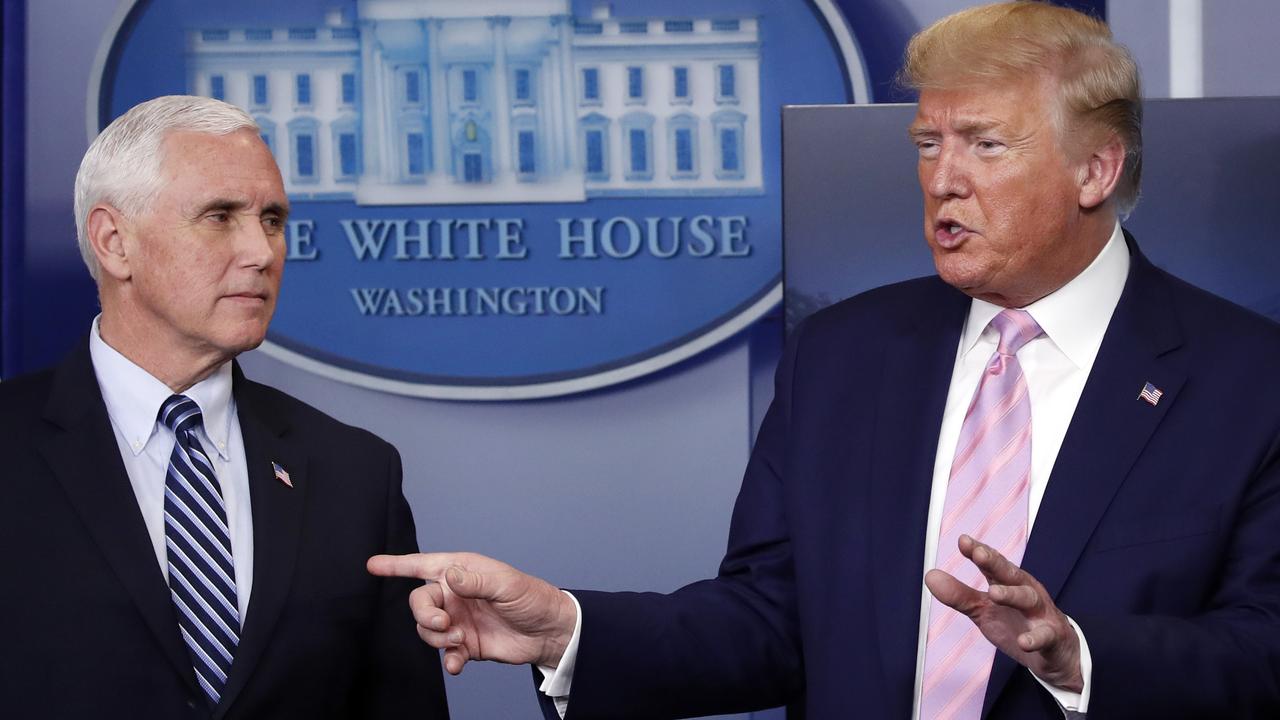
(949, 176)
(258, 247)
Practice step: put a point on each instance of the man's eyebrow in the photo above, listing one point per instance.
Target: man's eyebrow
(280, 209)
(230, 205)
(964, 127)
(224, 204)
(975, 126)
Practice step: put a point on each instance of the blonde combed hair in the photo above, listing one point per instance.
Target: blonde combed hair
(1096, 77)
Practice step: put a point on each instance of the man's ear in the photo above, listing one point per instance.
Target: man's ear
(1101, 174)
(105, 229)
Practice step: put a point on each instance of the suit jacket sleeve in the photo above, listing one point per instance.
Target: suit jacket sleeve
(402, 676)
(728, 644)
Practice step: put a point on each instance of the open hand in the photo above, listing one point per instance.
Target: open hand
(1016, 614)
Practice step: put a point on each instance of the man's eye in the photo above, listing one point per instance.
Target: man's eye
(272, 224)
(927, 148)
(219, 217)
(988, 145)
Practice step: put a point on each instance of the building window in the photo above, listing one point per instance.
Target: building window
(470, 86)
(267, 131)
(633, 27)
(725, 25)
(680, 85)
(524, 86)
(526, 153)
(348, 88)
(347, 154)
(260, 91)
(305, 161)
(730, 152)
(595, 146)
(346, 33)
(470, 161)
(412, 87)
(684, 150)
(639, 151)
(302, 90)
(635, 84)
(638, 137)
(682, 139)
(595, 152)
(215, 35)
(588, 28)
(305, 147)
(591, 86)
(679, 26)
(472, 167)
(726, 84)
(415, 154)
(729, 130)
(302, 33)
(258, 34)
(346, 148)
(217, 87)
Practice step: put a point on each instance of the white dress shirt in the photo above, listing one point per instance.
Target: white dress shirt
(133, 398)
(1056, 365)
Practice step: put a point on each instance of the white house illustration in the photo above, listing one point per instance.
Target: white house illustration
(471, 101)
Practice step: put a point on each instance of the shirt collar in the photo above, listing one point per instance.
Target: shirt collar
(1076, 315)
(133, 396)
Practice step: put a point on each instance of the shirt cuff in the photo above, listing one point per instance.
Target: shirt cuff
(556, 681)
(1074, 705)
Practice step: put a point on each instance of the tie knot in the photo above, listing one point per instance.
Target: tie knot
(1016, 328)
(180, 413)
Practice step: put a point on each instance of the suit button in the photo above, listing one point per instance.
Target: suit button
(192, 704)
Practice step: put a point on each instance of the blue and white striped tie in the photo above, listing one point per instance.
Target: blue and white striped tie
(202, 578)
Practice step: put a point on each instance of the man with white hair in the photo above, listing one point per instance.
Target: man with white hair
(179, 540)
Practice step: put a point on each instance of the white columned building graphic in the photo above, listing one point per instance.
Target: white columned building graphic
(421, 102)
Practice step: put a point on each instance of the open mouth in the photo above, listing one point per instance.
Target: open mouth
(949, 234)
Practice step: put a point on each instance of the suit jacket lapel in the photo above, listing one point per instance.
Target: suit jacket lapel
(912, 394)
(85, 459)
(277, 525)
(1110, 427)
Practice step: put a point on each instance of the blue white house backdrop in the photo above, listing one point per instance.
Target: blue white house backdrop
(505, 199)
(429, 102)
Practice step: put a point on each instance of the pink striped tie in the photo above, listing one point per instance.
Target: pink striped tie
(986, 499)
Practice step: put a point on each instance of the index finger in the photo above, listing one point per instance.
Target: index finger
(995, 566)
(423, 566)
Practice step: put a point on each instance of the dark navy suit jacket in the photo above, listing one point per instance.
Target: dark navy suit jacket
(87, 627)
(1159, 532)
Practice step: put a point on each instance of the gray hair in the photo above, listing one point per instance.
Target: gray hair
(122, 165)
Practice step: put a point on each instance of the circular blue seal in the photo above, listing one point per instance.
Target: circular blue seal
(505, 199)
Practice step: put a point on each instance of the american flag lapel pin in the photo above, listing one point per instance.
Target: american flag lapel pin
(283, 475)
(1151, 394)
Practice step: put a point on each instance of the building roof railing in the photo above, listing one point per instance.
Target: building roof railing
(737, 29)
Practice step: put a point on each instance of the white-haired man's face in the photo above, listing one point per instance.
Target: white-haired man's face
(205, 260)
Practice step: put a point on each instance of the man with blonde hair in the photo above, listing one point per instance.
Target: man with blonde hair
(180, 541)
(1045, 482)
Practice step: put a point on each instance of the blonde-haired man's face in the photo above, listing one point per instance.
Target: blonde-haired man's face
(1002, 200)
